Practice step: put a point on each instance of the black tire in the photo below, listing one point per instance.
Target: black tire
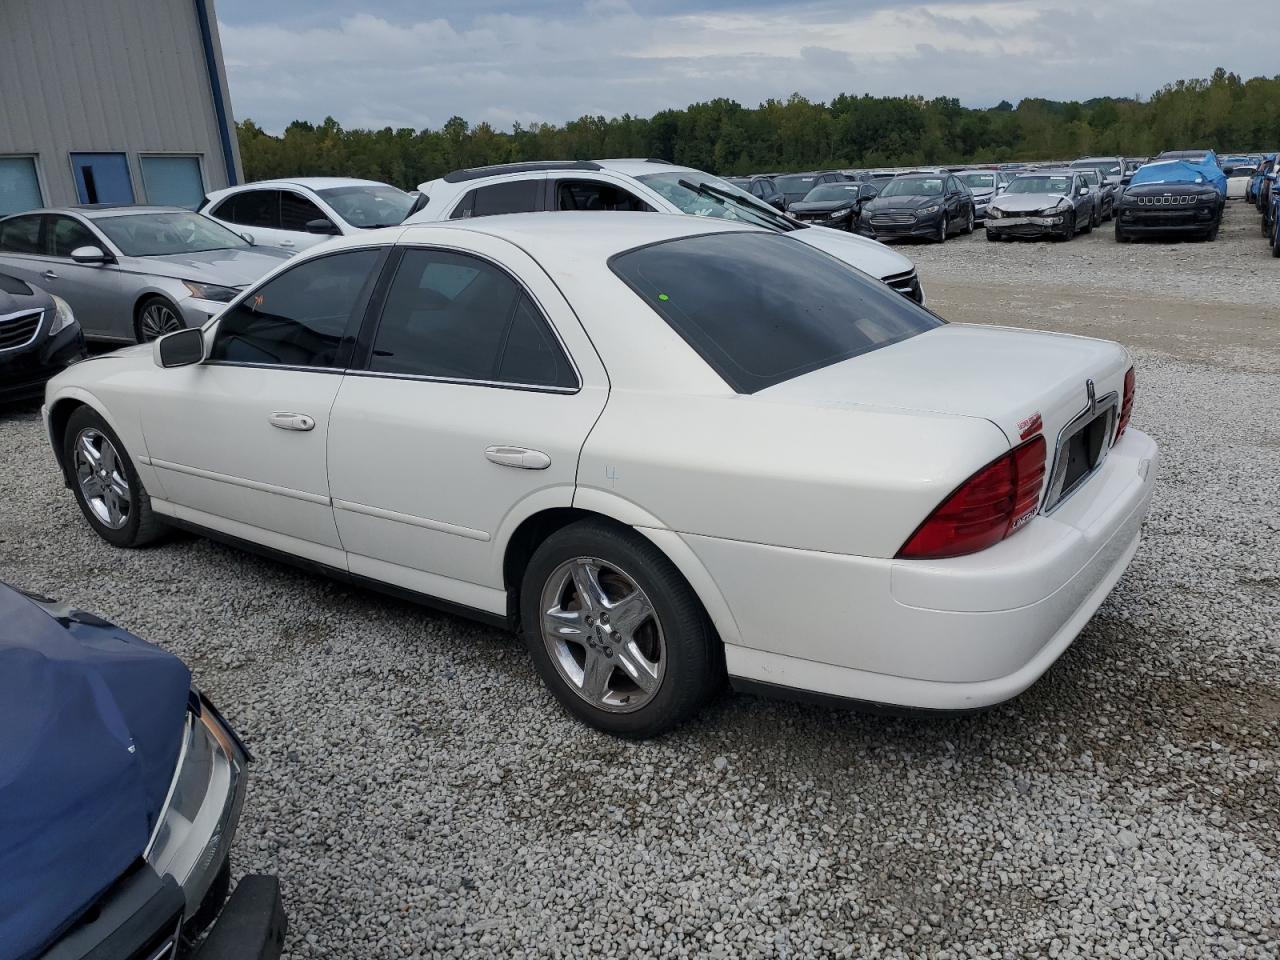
(1087, 228)
(691, 653)
(1121, 236)
(167, 319)
(942, 234)
(968, 224)
(1068, 228)
(992, 235)
(1095, 216)
(1211, 234)
(141, 525)
(1275, 241)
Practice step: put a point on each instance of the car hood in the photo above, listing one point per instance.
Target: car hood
(228, 268)
(18, 295)
(91, 723)
(982, 193)
(820, 206)
(881, 204)
(1028, 202)
(869, 256)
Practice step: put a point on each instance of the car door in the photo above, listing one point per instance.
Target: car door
(956, 209)
(239, 441)
(96, 291)
(254, 213)
(22, 249)
(467, 415)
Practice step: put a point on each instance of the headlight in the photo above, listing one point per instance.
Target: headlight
(210, 291)
(932, 208)
(199, 816)
(995, 213)
(63, 318)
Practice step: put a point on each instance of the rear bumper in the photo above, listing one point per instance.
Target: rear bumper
(957, 634)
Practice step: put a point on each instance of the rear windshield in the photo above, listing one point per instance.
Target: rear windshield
(764, 308)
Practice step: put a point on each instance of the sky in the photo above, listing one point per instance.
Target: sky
(416, 63)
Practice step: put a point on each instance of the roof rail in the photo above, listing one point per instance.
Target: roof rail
(669, 163)
(497, 169)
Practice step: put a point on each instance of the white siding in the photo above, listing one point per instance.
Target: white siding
(123, 76)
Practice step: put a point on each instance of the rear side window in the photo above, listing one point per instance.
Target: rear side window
(457, 317)
(764, 308)
(20, 235)
(305, 317)
(512, 196)
(252, 208)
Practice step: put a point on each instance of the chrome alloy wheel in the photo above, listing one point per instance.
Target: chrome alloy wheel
(102, 478)
(157, 320)
(603, 635)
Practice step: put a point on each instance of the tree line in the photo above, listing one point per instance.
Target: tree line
(724, 137)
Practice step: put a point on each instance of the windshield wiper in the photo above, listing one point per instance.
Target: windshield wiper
(766, 216)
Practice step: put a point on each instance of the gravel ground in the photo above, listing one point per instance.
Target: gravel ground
(420, 794)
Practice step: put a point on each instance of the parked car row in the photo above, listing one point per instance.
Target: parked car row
(1266, 199)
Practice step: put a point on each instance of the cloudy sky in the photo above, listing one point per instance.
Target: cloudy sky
(415, 63)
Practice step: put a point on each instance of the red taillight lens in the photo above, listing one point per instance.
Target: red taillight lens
(1126, 404)
(986, 508)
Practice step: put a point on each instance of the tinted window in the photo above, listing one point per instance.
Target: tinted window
(594, 195)
(457, 317)
(67, 234)
(297, 211)
(513, 196)
(304, 317)
(252, 208)
(20, 235)
(761, 309)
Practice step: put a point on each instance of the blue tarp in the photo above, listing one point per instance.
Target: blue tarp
(91, 722)
(1181, 171)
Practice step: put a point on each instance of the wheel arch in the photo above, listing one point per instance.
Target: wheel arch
(534, 529)
(60, 410)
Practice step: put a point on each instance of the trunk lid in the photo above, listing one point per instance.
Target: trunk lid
(1001, 374)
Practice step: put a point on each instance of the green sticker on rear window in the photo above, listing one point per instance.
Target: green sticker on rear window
(663, 297)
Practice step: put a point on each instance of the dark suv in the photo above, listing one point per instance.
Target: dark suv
(796, 186)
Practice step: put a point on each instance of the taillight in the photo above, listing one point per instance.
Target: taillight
(989, 506)
(1126, 404)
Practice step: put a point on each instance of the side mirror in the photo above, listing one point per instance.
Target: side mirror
(91, 254)
(179, 349)
(322, 225)
(248, 238)
(1084, 191)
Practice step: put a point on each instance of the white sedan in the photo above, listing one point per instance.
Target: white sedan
(664, 449)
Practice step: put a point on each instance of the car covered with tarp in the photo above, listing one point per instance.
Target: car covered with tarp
(1173, 197)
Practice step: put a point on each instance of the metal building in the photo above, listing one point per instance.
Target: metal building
(114, 101)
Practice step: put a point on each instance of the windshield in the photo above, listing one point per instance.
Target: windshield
(1110, 170)
(761, 308)
(729, 204)
(795, 183)
(160, 234)
(1040, 185)
(832, 191)
(979, 180)
(369, 205)
(913, 187)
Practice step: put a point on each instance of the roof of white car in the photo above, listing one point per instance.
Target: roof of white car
(311, 183)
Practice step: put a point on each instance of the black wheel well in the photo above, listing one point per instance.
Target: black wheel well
(526, 539)
(59, 414)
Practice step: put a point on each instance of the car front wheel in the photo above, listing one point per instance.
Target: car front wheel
(156, 317)
(616, 632)
(106, 485)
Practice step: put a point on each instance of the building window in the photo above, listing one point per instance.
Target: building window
(19, 185)
(173, 181)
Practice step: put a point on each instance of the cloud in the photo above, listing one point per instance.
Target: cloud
(543, 60)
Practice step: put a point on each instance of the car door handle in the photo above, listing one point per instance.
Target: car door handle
(286, 243)
(292, 421)
(49, 275)
(520, 457)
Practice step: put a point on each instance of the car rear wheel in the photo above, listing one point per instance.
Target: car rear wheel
(156, 317)
(616, 632)
(106, 485)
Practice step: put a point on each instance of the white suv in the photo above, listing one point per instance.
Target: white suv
(303, 211)
(644, 185)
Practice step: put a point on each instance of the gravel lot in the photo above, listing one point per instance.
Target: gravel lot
(421, 795)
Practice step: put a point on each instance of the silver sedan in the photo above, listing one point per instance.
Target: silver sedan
(133, 273)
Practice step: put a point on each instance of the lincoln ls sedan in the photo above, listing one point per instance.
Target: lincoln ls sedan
(663, 449)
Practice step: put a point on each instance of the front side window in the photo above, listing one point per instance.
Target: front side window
(511, 196)
(456, 317)
(296, 211)
(21, 235)
(305, 317)
(595, 195)
(165, 234)
(67, 234)
(762, 308)
(251, 208)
